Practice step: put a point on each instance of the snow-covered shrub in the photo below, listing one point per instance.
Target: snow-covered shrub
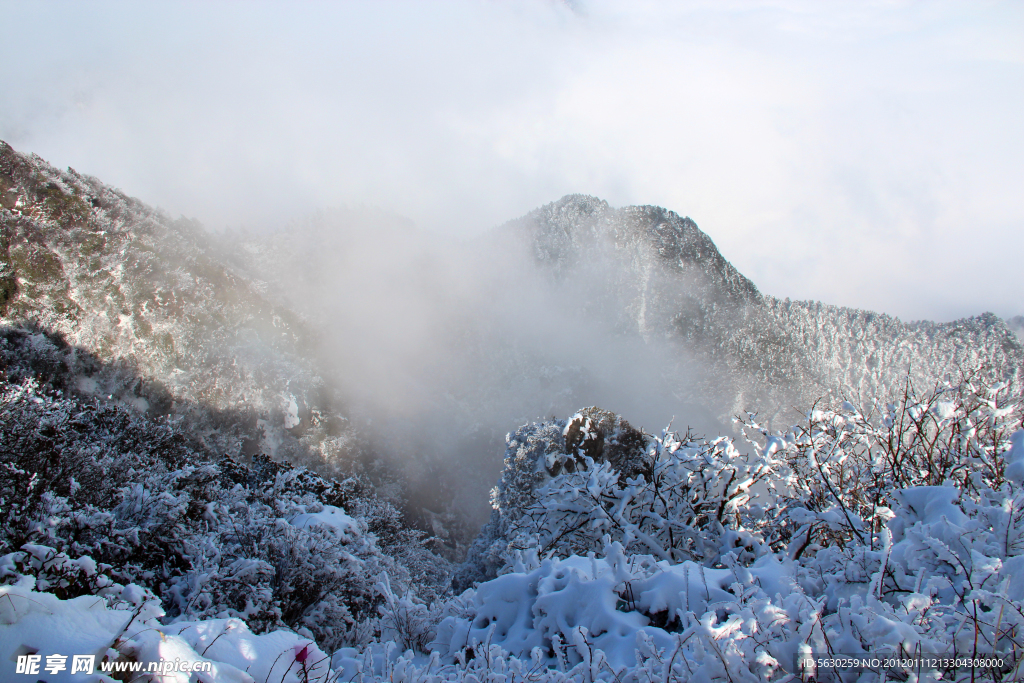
(295, 565)
(617, 611)
(690, 506)
(540, 452)
(943, 455)
(844, 464)
(687, 499)
(895, 530)
(527, 452)
(55, 572)
(144, 500)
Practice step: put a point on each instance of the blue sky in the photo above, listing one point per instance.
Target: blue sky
(864, 153)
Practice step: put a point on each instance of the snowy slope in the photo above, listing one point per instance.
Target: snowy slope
(146, 373)
(666, 280)
(576, 303)
(153, 295)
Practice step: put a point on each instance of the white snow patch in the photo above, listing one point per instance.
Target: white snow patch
(330, 517)
(291, 411)
(40, 623)
(1015, 458)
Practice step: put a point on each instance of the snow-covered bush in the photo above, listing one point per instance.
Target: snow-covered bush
(686, 499)
(690, 506)
(137, 499)
(55, 572)
(908, 521)
(845, 464)
(571, 610)
(896, 529)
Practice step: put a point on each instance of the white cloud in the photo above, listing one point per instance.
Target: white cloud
(865, 154)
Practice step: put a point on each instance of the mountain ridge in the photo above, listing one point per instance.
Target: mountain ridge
(767, 341)
(223, 323)
(151, 293)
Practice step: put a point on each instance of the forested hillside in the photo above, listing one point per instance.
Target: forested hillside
(267, 456)
(177, 330)
(662, 278)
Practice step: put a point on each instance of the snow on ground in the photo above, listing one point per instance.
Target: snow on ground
(676, 574)
(35, 623)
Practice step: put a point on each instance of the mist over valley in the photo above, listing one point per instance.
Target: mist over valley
(422, 351)
(425, 372)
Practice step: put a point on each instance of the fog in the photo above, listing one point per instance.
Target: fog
(864, 154)
(441, 345)
(855, 153)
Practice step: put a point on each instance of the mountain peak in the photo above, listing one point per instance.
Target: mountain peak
(578, 227)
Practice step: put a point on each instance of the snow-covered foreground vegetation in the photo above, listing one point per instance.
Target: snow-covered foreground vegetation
(895, 528)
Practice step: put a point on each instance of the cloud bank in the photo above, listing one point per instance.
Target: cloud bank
(864, 154)
(441, 346)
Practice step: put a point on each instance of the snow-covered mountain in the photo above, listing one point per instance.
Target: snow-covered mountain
(351, 338)
(667, 280)
(154, 377)
(174, 326)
